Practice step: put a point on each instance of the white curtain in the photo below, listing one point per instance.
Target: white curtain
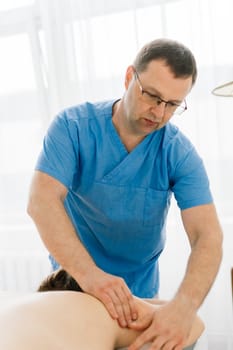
(56, 53)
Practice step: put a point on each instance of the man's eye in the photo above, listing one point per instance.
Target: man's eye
(172, 104)
(156, 99)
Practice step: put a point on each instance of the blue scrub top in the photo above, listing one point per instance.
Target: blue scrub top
(118, 201)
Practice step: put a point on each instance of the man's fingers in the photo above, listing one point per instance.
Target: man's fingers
(171, 345)
(157, 342)
(127, 304)
(109, 304)
(132, 306)
(114, 306)
(120, 304)
(142, 339)
(142, 323)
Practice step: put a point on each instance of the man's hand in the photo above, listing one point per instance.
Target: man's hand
(113, 292)
(168, 329)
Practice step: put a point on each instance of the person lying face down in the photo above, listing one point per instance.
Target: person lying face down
(59, 280)
(62, 317)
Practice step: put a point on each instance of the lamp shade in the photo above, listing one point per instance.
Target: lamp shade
(224, 90)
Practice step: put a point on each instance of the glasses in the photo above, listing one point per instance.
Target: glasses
(153, 100)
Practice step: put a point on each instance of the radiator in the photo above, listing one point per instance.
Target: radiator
(22, 272)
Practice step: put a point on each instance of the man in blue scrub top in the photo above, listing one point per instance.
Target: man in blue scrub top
(102, 188)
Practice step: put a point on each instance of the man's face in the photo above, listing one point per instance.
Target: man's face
(152, 96)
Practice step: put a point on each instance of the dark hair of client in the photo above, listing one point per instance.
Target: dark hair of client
(59, 280)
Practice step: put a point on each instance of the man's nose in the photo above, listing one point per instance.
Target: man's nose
(159, 110)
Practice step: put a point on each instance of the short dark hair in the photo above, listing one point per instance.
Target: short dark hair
(59, 280)
(176, 55)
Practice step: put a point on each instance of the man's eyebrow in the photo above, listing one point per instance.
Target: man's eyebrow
(158, 94)
(153, 91)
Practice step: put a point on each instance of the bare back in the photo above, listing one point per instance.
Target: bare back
(55, 321)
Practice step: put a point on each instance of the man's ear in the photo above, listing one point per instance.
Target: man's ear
(128, 76)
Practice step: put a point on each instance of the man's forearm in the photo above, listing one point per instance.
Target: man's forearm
(205, 236)
(59, 236)
(202, 268)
